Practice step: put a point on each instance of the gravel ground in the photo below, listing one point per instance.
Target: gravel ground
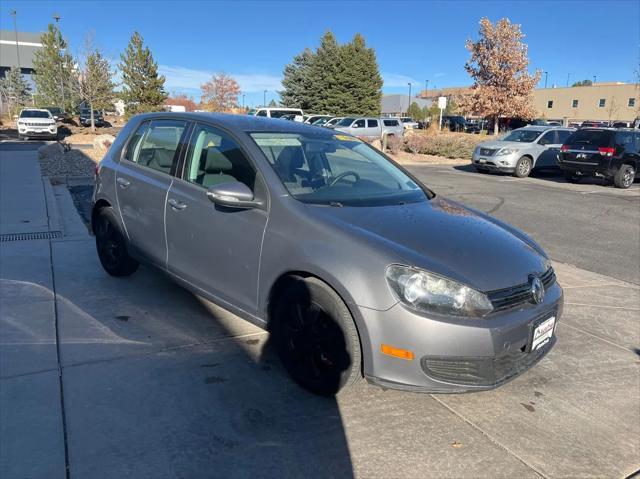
(72, 163)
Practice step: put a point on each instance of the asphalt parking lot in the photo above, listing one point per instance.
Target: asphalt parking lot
(108, 378)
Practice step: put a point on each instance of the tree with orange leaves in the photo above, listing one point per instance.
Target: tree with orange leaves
(220, 93)
(498, 65)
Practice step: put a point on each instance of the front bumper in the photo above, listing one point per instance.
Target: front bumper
(456, 355)
(502, 163)
(33, 133)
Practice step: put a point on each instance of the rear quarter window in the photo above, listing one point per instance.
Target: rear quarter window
(390, 122)
(594, 138)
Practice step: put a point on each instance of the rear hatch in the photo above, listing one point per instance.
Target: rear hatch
(588, 146)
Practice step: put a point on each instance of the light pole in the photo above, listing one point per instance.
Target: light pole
(15, 30)
(426, 88)
(264, 98)
(594, 80)
(546, 75)
(243, 101)
(57, 19)
(568, 76)
(409, 100)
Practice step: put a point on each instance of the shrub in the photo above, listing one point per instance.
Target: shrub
(416, 143)
(394, 144)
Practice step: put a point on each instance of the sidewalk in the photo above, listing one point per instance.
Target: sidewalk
(32, 442)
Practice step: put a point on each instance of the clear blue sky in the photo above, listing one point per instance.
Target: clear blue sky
(414, 40)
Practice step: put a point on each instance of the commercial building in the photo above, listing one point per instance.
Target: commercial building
(599, 102)
(18, 53)
(397, 105)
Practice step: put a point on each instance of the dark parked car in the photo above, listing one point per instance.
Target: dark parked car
(606, 152)
(454, 123)
(354, 266)
(85, 117)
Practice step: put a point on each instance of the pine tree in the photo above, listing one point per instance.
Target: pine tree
(335, 79)
(55, 77)
(324, 75)
(15, 90)
(296, 93)
(143, 88)
(96, 86)
(361, 83)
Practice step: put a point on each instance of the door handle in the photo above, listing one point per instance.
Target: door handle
(177, 205)
(123, 183)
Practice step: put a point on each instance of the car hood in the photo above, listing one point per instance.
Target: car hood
(446, 238)
(497, 144)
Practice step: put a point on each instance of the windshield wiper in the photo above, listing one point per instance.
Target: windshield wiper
(336, 204)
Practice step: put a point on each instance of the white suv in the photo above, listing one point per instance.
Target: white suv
(34, 122)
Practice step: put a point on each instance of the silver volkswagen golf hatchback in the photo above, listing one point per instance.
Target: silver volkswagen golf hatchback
(354, 267)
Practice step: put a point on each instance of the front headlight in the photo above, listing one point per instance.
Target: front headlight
(506, 151)
(430, 293)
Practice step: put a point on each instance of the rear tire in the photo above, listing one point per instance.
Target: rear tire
(570, 176)
(316, 338)
(624, 176)
(112, 246)
(523, 167)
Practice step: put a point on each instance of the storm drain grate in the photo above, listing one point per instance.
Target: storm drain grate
(30, 236)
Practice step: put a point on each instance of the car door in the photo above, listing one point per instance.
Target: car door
(143, 177)
(548, 149)
(358, 127)
(216, 249)
(373, 128)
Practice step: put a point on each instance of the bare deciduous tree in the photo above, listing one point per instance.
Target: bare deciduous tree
(220, 93)
(498, 65)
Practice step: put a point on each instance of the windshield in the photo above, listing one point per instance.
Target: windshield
(522, 136)
(346, 122)
(252, 112)
(55, 110)
(320, 121)
(34, 114)
(336, 170)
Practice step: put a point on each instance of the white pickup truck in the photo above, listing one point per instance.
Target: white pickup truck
(34, 122)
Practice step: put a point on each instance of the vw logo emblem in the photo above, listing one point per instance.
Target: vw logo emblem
(537, 289)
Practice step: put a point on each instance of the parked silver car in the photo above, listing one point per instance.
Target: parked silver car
(370, 127)
(522, 150)
(355, 267)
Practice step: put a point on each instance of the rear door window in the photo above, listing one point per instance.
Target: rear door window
(549, 138)
(372, 123)
(625, 141)
(159, 147)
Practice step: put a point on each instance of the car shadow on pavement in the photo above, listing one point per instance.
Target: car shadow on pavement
(161, 383)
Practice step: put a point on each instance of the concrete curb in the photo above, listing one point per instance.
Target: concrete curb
(53, 213)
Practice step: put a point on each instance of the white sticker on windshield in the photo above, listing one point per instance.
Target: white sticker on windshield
(278, 142)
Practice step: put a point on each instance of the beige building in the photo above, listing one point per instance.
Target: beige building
(599, 102)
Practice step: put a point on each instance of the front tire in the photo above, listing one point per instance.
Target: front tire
(316, 338)
(624, 176)
(523, 167)
(111, 245)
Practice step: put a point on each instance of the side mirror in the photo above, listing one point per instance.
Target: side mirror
(232, 195)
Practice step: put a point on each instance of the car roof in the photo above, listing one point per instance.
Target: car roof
(545, 127)
(241, 122)
(35, 109)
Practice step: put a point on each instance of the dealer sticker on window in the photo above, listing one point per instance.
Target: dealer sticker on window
(543, 333)
(346, 138)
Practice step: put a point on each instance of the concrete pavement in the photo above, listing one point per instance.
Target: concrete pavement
(158, 383)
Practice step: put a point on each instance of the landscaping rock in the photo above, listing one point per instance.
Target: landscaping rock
(103, 142)
(52, 150)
